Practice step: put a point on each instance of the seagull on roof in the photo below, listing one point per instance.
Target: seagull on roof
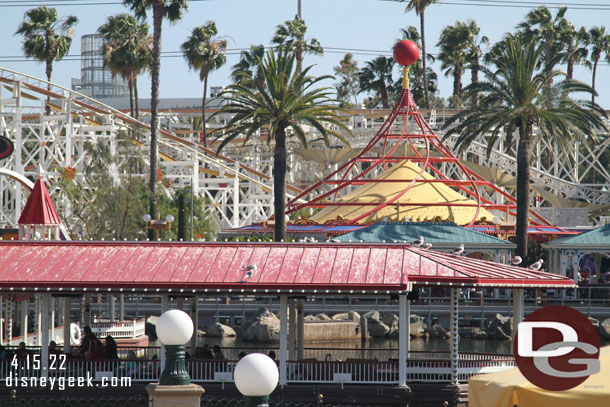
(426, 246)
(250, 269)
(459, 250)
(537, 265)
(516, 260)
(417, 243)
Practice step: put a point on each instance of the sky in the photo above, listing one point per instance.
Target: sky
(367, 28)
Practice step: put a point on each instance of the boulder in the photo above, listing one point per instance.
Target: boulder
(311, 318)
(372, 315)
(219, 330)
(378, 329)
(265, 328)
(500, 327)
(417, 326)
(344, 316)
(323, 317)
(438, 331)
(604, 329)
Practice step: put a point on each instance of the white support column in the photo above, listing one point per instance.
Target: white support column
(517, 308)
(300, 328)
(453, 326)
(122, 307)
(38, 316)
(403, 339)
(1, 321)
(67, 321)
(195, 318)
(236, 196)
(52, 316)
(24, 320)
(292, 322)
(283, 338)
(9, 321)
(44, 346)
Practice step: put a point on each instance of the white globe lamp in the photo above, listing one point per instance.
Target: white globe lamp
(174, 329)
(256, 376)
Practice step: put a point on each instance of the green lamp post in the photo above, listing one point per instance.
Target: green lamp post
(256, 376)
(174, 330)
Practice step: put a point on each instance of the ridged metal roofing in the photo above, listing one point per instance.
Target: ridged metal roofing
(596, 237)
(316, 268)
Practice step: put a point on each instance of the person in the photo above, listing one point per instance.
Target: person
(206, 353)
(88, 341)
(241, 355)
(217, 353)
(272, 355)
(131, 366)
(111, 348)
(53, 348)
(5, 354)
(98, 351)
(21, 352)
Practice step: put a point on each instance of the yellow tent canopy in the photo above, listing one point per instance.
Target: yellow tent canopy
(422, 194)
(509, 388)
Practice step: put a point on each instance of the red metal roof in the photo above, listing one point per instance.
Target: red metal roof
(39, 209)
(317, 268)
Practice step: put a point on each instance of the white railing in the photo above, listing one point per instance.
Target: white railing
(350, 371)
(119, 329)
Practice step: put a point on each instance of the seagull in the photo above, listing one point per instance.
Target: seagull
(459, 250)
(419, 242)
(537, 265)
(251, 268)
(249, 274)
(516, 260)
(426, 246)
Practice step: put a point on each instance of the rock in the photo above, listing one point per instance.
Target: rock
(372, 315)
(355, 316)
(323, 317)
(265, 327)
(201, 332)
(219, 330)
(391, 320)
(438, 331)
(500, 327)
(311, 318)
(344, 316)
(417, 326)
(378, 329)
(481, 335)
(604, 329)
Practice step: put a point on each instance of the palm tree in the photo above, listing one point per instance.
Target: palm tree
(288, 99)
(205, 53)
(576, 51)
(599, 42)
(291, 35)
(172, 10)
(474, 52)
(376, 76)
(540, 26)
(452, 54)
(347, 87)
(420, 7)
(127, 52)
(46, 38)
(249, 63)
(514, 97)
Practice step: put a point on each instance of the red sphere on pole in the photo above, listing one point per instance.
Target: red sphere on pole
(406, 52)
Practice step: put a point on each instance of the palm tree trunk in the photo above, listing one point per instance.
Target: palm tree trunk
(154, 104)
(474, 78)
(130, 86)
(593, 79)
(279, 184)
(136, 96)
(571, 59)
(49, 71)
(523, 187)
(423, 58)
(457, 82)
(203, 122)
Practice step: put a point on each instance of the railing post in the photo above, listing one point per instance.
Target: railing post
(403, 339)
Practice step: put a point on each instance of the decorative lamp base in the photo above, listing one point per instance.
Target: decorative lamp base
(256, 401)
(174, 372)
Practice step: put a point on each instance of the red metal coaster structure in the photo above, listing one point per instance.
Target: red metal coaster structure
(413, 141)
